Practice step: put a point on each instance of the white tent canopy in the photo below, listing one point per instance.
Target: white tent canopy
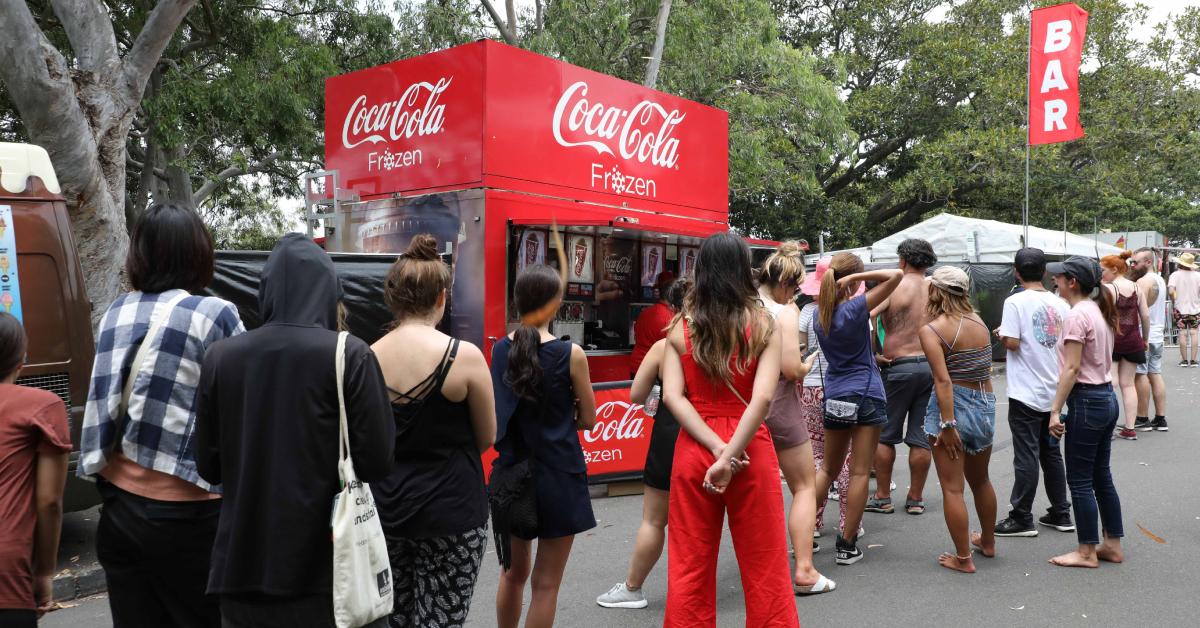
(960, 239)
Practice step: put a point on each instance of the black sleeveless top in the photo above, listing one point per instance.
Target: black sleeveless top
(544, 429)
(436, 484)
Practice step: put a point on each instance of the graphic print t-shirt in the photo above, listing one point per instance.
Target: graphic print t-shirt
(1036, 319)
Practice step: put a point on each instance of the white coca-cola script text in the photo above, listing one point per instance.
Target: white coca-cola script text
(617, 420)
(416, 113)
(642, 133)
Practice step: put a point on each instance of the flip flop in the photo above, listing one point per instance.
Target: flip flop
(880, 505)
(823, 585)
(914, 507)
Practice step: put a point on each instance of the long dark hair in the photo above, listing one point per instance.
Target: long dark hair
(12, 345)
(536, 288)
(722, 304)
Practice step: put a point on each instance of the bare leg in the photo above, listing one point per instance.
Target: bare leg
(797, 465)
(919, 461)
(1158, 388)
(863, 442)
(885, 461)
(1183, 345)
(651, 534)
(552, 555)
(1142, 384)
(976, 470)
(1126, 370)
(950, 473)
(511, 591)
(837, 445)
(1194, 337)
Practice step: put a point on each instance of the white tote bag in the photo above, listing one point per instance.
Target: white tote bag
(362, 574)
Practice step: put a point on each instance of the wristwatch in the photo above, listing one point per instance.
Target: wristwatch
(952, 423)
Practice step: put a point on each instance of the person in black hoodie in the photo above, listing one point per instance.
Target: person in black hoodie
(267, 431)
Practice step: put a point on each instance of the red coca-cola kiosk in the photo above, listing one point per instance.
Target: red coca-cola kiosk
(486, 146)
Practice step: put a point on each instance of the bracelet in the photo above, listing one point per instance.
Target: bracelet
(948, 424)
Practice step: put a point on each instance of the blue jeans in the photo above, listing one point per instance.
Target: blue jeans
(1091, 417)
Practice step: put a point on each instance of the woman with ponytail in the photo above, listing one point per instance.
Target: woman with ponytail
(543, 398)
(433, 504)
(720, 372)
(855, 405)
(1133, 328)
(778, 281)
(1085, 350)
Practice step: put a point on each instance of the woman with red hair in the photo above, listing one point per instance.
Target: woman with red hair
(1133, 327)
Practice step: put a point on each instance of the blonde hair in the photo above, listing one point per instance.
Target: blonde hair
(943, 302)
(784, 267)
(842, 265)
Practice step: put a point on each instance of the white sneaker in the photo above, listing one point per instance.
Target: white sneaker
(621, 597)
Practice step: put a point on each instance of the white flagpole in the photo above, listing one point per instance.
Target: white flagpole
(1028, 75)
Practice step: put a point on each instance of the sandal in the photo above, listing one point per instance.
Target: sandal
(880, 505)
(914, 506)
(823, 585)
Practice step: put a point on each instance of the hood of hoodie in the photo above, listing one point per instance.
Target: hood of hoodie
(299, 285)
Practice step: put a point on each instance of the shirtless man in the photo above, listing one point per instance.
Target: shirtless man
(1143, 269)
(907, 380)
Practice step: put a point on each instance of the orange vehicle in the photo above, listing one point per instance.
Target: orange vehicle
(51, 299)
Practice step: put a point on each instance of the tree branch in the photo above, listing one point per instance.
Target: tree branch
(660, 37)
(89, 29)
(870, 160)
(509, 36)
(147, 49)
(231, 172)
(35, 75)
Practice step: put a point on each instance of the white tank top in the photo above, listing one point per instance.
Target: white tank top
(1158, 312)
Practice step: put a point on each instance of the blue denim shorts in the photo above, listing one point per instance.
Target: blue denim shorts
(871, 412)
(975, 413)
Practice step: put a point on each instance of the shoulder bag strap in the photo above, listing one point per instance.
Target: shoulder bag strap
(343, 427)
(139, 359)
(736, 393)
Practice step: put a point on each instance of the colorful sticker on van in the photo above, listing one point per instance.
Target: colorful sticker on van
(10, 284)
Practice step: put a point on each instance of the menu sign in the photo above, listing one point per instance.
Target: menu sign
(652, 264)
(10, 284)
(531, 249)
(581, 253)
(687, 260)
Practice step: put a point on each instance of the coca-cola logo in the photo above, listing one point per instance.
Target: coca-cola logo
(642, 133)
(416, 113)
(617, 420)
(618, 265)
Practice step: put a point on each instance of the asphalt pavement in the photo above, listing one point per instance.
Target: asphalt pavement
(899, 581)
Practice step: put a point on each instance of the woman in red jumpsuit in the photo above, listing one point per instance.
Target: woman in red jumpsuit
(720, 373)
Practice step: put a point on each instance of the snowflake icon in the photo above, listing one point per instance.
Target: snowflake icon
(618, 181)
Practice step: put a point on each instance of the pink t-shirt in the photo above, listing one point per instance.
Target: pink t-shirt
(1085, 324)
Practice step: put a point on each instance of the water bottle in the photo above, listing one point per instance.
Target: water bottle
(652, 401)
(1051, 438)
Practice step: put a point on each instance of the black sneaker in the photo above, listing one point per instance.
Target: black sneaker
(847, 553)
(1159, 424)
(1061, 523)
(1012, 527)
(1182, 364)
(1142, 424)
(816, 547)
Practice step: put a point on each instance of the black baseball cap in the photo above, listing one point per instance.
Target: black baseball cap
(1030, 263)
(1085, 270)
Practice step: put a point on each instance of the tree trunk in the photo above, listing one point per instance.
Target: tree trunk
(660, 36)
